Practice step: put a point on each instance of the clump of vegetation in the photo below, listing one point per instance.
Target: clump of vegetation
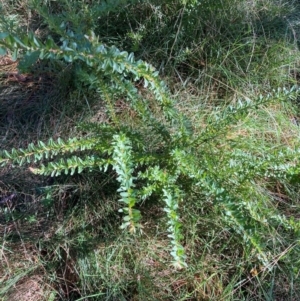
(198, 165)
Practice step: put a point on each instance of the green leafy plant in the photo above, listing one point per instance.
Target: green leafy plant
(184, 161)
(114, 75)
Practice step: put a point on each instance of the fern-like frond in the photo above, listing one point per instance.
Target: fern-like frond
(72, 165)
(124, 167)
(35, 153)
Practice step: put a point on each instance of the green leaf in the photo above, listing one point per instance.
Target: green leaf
(3, 35)
(37, 42)
(15, 55)
(28, 60)
(2, 51)
(20, 42)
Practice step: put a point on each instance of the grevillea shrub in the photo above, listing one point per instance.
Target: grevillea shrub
(182, 158)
